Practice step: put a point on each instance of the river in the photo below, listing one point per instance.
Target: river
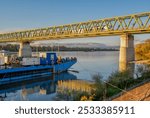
(88, 64)
(91, 63)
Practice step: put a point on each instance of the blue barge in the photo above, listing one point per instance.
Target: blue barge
(48, 66)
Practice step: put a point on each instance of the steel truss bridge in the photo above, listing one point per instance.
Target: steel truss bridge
(130, 24)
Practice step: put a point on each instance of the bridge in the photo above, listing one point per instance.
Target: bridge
(125, 26)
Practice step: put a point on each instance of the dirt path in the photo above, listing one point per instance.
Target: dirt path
(139, 93)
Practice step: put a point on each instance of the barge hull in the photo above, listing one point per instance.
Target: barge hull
(26, 73)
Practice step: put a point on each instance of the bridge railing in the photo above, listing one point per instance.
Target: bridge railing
(135, 24)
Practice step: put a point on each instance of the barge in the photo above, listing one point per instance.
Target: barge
(46, 65)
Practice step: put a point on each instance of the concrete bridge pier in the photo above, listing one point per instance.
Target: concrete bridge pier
(126, 52)
(25, 49)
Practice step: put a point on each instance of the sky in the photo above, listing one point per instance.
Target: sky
(29, 14)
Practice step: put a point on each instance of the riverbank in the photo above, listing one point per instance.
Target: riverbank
(15, 48)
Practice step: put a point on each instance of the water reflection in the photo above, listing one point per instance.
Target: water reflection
(70, 90)
(35, 89)
(74, 85)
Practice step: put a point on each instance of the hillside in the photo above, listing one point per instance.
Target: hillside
(143, 50)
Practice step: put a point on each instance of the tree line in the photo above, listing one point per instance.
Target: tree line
(15, 48)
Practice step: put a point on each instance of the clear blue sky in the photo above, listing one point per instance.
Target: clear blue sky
(28, 14)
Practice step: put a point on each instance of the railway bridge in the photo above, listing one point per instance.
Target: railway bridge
(124, 26)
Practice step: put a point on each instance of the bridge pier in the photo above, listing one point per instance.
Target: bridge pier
(25, 49)
(126, 51)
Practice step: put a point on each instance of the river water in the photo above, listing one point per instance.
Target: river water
(88, 64)
(91, 63)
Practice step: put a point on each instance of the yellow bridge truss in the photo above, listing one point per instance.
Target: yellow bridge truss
(132, 24)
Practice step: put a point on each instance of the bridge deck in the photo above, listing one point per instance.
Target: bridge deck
(131, 24)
